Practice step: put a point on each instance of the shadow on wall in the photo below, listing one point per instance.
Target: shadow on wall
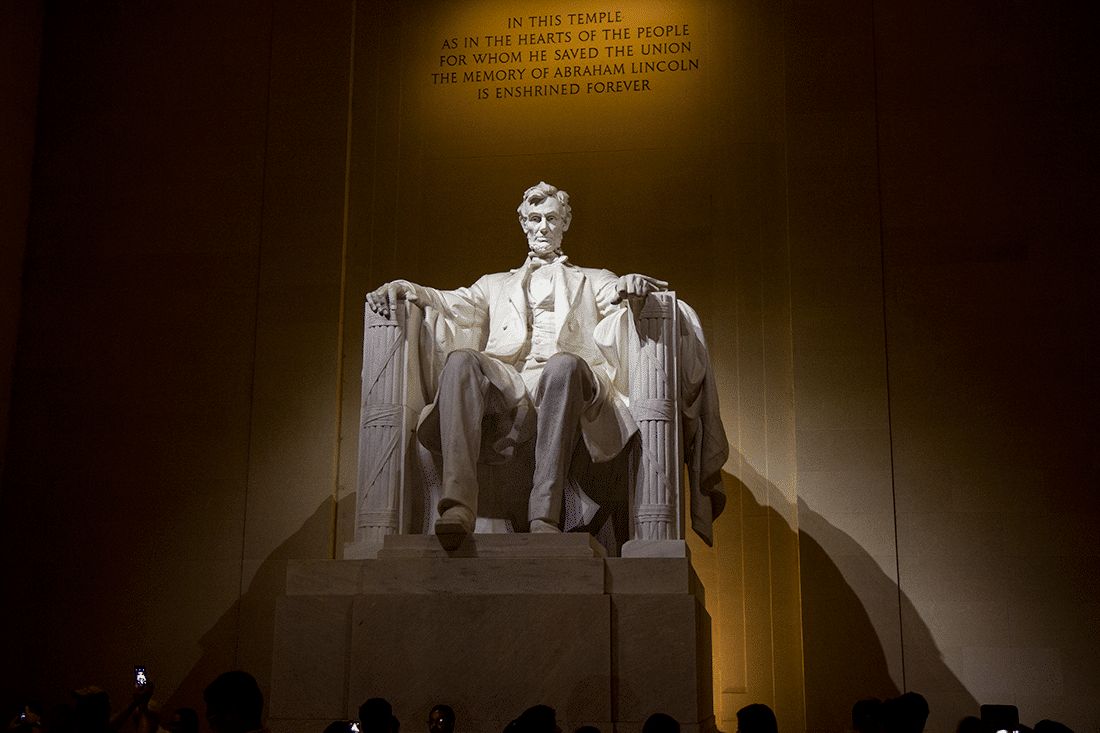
(246, 630)
(844, 657)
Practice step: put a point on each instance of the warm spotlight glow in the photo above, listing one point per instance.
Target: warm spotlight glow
(598, 77)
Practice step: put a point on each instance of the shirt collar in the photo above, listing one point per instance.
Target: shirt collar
(534, 261)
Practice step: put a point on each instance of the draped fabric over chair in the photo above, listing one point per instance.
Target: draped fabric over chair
(656, 358)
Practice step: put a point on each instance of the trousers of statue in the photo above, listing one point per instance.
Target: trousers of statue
(566, 389)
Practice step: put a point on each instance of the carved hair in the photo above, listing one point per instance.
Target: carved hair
(537, 194)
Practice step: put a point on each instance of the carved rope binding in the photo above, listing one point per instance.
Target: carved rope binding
(654, 408)
(380, 427)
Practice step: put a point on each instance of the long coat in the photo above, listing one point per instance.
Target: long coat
(492, 316)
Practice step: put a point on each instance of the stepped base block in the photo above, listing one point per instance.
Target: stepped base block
(604, 641)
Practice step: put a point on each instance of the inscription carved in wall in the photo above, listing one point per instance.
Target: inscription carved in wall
(565, 54)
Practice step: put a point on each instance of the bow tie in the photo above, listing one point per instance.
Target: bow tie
(534, 262)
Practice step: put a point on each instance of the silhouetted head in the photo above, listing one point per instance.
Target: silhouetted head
(441, 719)
(184, 720)
(865, 715)
(969, 724)
(661, 723)
(1050, 726)
(234, 703)
(61, 719)
(538, 719)
(905, 714)
(92, 710)
(756, 718)
(376, 716)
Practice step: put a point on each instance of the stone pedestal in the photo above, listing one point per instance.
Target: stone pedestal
(503, 623)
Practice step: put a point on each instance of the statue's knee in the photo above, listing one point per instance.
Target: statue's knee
(461, 362)
(563, 363)
(563, 368)
(460, 357)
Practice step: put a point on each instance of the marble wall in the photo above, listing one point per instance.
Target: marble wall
(21, 29)
(884, 215)
(941, 258)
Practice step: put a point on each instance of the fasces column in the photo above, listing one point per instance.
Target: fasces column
(653, 391)
(386, 420)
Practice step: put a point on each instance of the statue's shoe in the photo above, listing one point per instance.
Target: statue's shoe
(453, 525)
(543, 527)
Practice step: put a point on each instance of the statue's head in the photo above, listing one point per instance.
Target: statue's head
(544, 215)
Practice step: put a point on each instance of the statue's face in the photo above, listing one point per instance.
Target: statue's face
(544, 225)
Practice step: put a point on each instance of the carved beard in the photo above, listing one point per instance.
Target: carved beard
(542, 249)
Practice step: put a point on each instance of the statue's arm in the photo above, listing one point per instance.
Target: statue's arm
(636, 286)
(465, 306)
(383, 299)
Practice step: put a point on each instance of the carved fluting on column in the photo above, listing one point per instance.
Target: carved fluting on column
(385, 420)
(653, 387)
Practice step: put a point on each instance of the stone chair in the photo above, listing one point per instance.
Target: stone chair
(510, 619)
(398, 480)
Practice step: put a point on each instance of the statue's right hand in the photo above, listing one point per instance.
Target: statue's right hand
(383, 300)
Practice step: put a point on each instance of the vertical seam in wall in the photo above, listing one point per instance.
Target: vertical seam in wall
(397, 174)
(397, 166)
(767, 464)
(255, 327)
(736, 361)
(339, 412)
(789, 370)
(886, 341)
(374, 168)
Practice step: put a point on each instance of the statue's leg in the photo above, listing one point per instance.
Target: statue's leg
(463, 391)
(566, 388)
